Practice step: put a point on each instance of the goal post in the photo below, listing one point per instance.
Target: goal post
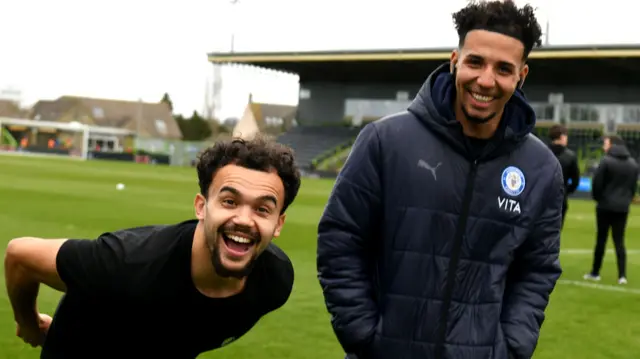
(73, 139)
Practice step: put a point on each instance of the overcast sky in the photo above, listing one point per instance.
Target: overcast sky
(142, 48)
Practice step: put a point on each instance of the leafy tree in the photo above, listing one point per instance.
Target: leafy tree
(166, 99)
(194, 128)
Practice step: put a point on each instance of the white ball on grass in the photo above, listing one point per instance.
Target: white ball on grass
(120, 186)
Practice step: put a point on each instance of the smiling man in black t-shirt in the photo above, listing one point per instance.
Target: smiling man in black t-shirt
(171, 291)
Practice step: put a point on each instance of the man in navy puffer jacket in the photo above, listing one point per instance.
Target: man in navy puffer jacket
(441, 237)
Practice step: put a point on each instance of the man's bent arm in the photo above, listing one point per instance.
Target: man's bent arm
(533, 275)
(345, 242)
(29, 262)
(90, 267)
(597, 182)
(574, 175)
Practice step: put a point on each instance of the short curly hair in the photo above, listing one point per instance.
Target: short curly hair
(259, 153)
(556, 131)
(615, 140)
(500, 16)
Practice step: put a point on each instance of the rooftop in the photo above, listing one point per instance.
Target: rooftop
(616, 62)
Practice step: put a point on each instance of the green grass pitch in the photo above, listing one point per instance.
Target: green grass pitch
(63, 198)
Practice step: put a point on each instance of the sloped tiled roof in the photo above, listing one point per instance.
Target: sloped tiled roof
(151, 119)
(262, 111)
(10, 108)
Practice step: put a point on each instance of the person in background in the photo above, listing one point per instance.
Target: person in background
(614, 186)
(568, 160)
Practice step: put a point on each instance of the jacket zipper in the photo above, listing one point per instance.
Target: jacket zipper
(453, 262)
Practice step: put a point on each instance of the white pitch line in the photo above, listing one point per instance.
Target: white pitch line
(590, 251)
(610, 288)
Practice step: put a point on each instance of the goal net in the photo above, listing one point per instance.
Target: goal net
(75, 140)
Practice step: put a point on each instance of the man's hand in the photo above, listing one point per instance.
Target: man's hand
(35, 336)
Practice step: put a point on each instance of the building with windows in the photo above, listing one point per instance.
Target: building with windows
(264, 118)
(146, 120)
(593, 90)
(597, 83)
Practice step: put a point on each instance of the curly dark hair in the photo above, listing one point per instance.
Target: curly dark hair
(500, 16)
(259, 153)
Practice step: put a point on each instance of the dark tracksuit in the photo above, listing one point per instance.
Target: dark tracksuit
(570, 172)
(613, 188)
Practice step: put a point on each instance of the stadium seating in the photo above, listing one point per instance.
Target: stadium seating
(309, 142)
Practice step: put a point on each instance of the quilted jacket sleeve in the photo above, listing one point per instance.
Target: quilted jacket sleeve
(574, 174)
(345, 239)
(533, 275)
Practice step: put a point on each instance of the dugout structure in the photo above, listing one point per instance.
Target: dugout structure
(72, 139)
(593, 90)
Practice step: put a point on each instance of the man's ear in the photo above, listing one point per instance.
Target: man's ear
(200, 204)
(278, 229)
(523, 75)
(455, 54)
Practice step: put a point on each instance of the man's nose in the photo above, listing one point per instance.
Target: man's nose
(244, 216)
(487, 79)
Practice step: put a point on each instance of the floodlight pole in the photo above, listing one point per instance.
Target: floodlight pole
(546, 34)
(549, 11)
(233, 35)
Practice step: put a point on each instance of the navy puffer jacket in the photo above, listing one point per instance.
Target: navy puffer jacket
(426, 251)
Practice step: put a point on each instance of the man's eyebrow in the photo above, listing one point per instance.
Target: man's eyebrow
(230, 189)
(264, 198)
(269, 198)
(475, 57)
(507, 64)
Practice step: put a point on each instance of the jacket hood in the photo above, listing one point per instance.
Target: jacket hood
(433, 105)
(619, 151)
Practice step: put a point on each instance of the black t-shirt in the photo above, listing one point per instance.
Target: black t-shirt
(130, 295)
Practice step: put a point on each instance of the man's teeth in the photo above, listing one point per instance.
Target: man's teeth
(239, 239)
(481, 98)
